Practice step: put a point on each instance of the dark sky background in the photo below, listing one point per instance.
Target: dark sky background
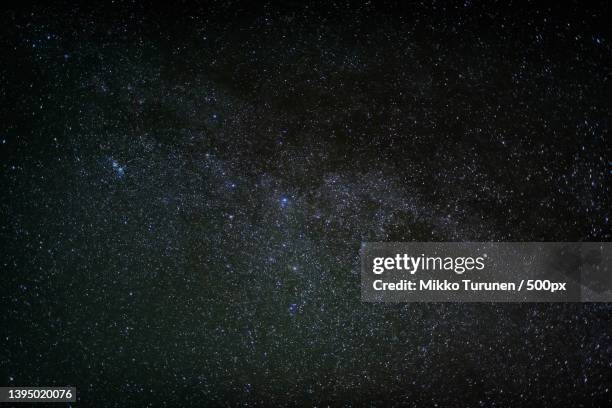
(185, 191)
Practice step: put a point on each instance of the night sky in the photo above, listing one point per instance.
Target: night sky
(185, 191)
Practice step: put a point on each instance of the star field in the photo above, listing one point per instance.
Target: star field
(185, 189)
